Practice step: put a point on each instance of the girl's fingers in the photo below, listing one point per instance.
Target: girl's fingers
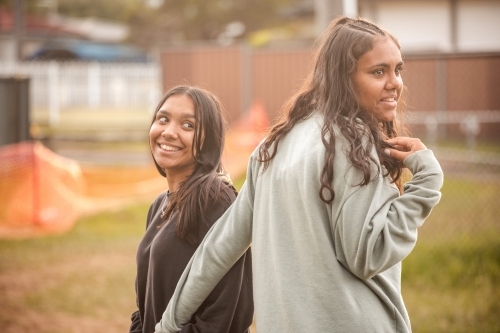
(399, 147)
(397, 154)
(405, 143)
(402, 147)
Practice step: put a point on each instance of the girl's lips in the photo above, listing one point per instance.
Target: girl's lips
(389, 102)
(169, 148)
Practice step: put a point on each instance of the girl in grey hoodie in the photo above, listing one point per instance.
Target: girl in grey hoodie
(323, 207)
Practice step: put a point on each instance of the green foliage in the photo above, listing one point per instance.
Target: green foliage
(112, 10)
(174, 20)
(195, 20)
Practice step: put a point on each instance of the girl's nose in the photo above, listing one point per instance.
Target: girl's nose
(170, 132)
(394, 82)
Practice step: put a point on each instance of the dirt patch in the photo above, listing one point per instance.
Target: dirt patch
(20, 311)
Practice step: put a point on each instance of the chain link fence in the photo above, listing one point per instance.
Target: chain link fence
(450, 281)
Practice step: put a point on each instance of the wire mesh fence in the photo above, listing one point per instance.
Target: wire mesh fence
(452, 104)
(454, 109)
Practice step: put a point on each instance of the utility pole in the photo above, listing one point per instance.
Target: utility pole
(18, 6)
(454, 25)
(327, 10)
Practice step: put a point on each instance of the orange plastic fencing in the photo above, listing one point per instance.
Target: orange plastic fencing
(39, 190)
(43, 193)
(242, 138)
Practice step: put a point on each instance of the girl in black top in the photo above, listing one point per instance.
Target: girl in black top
(186, 141)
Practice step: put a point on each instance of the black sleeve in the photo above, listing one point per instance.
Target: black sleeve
(135, 326)
(229, 308)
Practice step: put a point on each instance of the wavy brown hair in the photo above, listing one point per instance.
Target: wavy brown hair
(205, 185)
(329, 90)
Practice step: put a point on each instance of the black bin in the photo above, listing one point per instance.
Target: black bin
(14, 110)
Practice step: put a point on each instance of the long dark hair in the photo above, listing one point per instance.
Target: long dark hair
(205, 185)
(329, 89)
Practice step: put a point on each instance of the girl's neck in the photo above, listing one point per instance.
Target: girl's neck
(173, 185)
(174, 180)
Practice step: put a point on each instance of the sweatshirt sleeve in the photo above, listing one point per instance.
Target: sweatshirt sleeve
(231, 300)
(377, 227)
(221, 248)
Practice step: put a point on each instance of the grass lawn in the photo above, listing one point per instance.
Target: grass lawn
(451, 280)
(83, 281)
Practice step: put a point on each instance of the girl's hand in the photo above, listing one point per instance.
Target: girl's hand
(403, 147)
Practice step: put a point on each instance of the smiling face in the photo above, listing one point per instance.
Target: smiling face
(171, 137)
(377, 79)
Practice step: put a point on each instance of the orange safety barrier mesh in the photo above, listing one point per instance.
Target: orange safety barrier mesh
(44, 193)
(39, 190)
(113, 187)
(242, 138)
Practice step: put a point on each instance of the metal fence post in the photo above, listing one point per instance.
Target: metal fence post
(442, 96)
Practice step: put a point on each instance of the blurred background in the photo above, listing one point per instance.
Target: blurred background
(79, 81)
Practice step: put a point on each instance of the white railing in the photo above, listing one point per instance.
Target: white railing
(58, 86)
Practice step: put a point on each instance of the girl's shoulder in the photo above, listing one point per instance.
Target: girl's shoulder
(160, 199)
(220, 203)
(228, 192)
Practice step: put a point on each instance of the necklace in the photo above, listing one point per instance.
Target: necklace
(164, 204)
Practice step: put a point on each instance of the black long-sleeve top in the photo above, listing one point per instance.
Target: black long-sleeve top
(161, 259)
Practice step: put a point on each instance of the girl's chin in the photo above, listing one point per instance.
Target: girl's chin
(387, 117)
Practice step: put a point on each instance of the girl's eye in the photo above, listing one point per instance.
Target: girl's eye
(379, 72)
(163, 119)
(188, 125)
(399, 70)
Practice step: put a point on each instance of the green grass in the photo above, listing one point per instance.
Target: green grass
(481, 145)
(84, 118)
(451, 279)
(85, 278)
(452, 286)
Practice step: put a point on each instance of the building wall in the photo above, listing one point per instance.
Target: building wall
(215, 68)
(478, 25)
(424, 26)
(419, 25)
(276, 75)
(440, 83)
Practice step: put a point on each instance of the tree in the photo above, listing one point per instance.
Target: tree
(179, 20)
(172, 20)
(113, 10)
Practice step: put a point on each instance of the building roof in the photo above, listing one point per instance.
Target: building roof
(35, 26)
(88, 51)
